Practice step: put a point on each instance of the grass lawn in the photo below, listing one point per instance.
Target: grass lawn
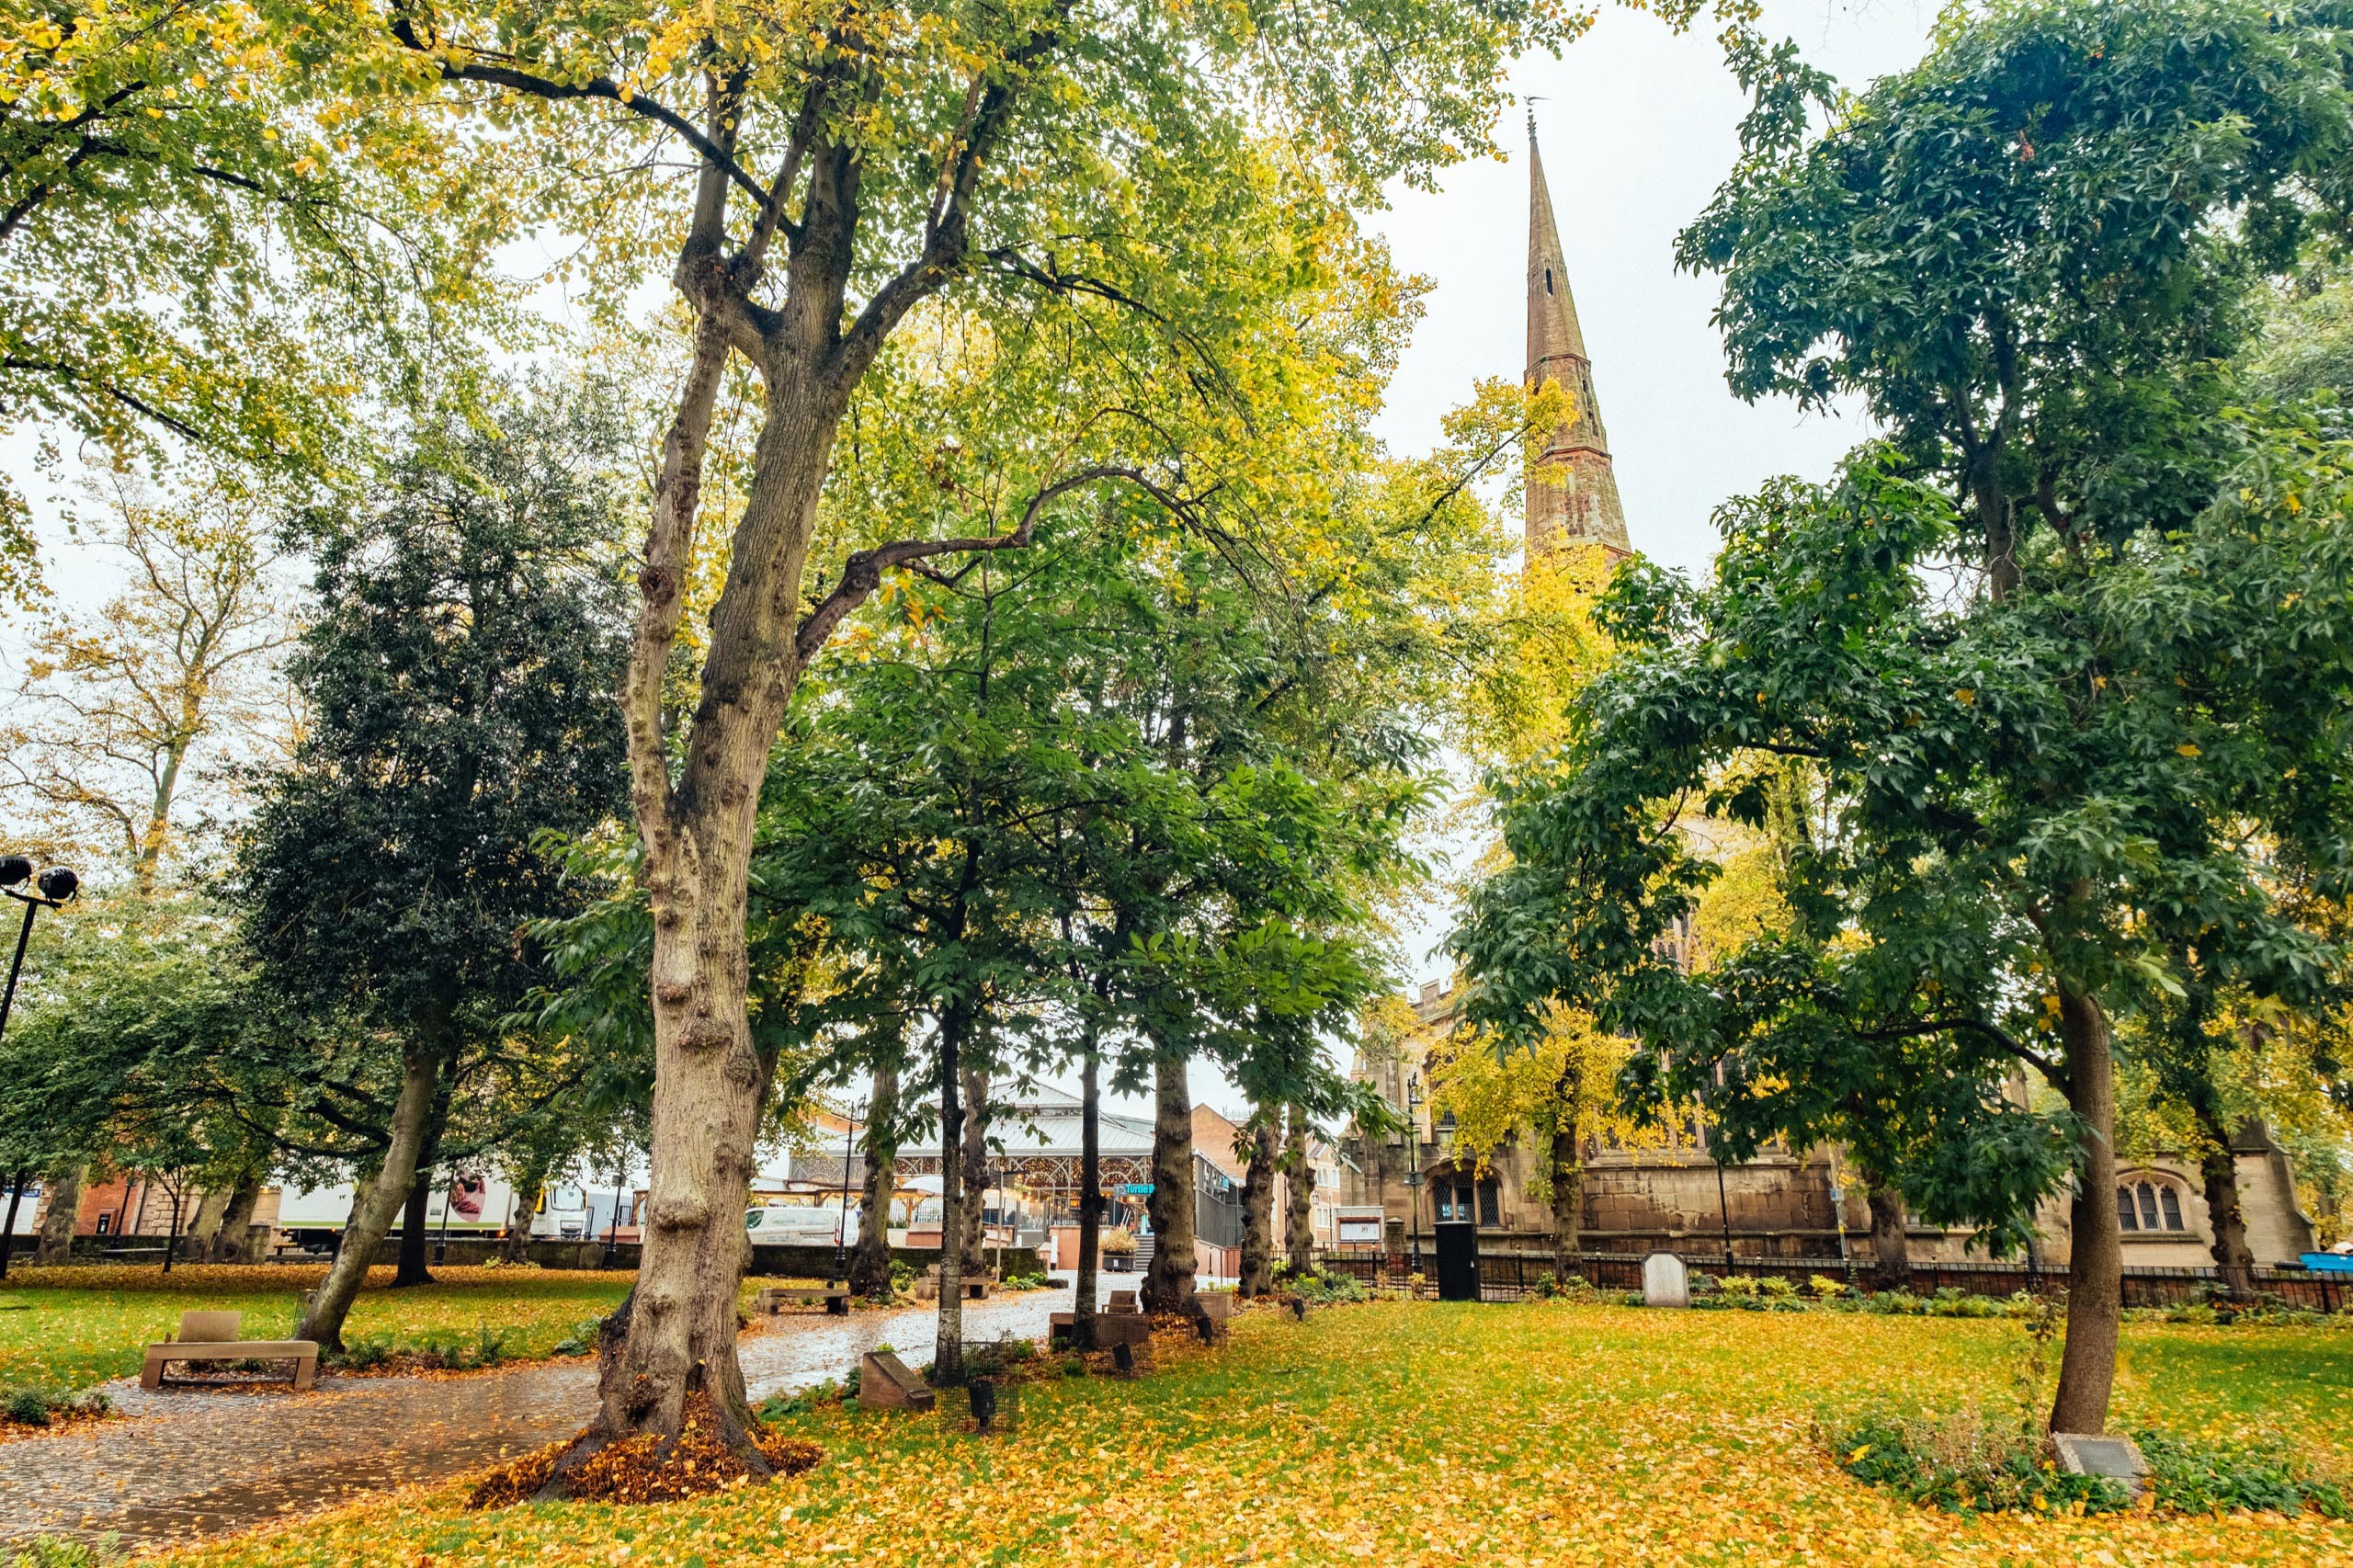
(1418, 1433)
(82, 1326)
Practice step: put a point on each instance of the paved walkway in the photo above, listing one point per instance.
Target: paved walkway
(196, 1462)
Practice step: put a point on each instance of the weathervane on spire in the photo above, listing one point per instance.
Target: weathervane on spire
(1533, 99)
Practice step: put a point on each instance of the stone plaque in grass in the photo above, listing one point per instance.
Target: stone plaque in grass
(885, 1382)
(1665, 1282)
(2116, 1458)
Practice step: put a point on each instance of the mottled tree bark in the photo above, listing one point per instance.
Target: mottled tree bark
(1299, 1229)
(210, 1210)
(2218, 1173)
(1090, 1195)
(976, 1171)
(529, 1182)
(1258, 1212)
(412, 1270)
(373, 1208)
(2095, 1257)
(1168, 1283)
(1891, 1243)
(232, 1237)
(1566, 1174)
(948, 1345)
(870, 1265)
(64, 1211)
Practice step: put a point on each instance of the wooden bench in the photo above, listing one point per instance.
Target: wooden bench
(213, 1336)
(976, 1287)
(774, 1300)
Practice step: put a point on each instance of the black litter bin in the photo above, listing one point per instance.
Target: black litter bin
(1458, 1261)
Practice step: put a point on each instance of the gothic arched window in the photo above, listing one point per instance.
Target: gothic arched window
(1548, 280)
(2148, 1207)
(2124, 1215)
(2172, 1201)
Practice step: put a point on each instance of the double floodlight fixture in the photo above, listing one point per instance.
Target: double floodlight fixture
(55, 885)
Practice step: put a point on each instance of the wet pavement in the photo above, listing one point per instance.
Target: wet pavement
(194, 1462)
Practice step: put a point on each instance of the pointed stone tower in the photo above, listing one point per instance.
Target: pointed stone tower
(1581, 506)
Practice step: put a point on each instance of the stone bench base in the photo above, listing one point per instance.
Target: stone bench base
(303, 1353)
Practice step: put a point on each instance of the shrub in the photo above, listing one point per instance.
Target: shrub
(365, 1353)
(581, 1340)
(1323, 1289)
(1824, 1287)
(38, 1406)
(1074, 1366)
(2259, 1476)
(1774, 1288)
(902, 1277)
(58, 1552)
(1965, 1465)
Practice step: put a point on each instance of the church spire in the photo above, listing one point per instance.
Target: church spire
(1582, 505)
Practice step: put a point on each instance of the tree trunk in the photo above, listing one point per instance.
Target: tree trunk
(870, 1265)
(8, 1226)
(2217, 1171)
(948, 1344)
(1258, 1212)
(413, 1269)
(2095, 1257)
(974, 1229)
(1891, 1242)
(1168, 1284)
(529, 1182)
(234, 1231)
(373, 1208)
(695, 815)
(202, 1231)
(1090, 1196)
(1299, 1229)
(1567, 1176)
(64, 1211)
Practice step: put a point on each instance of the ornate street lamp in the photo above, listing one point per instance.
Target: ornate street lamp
(841, 1228)
(52, 889)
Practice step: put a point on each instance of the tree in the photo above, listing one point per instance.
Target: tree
(200, 244)
(2023, 794)
(1559, 1092)
(1102, 156)
(112, 714)
(2031, 255)
(125, 1008)
(457, 661)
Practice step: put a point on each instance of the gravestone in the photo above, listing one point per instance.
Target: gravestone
(2116, 1459)
(885, 1382)
(1665, 1282)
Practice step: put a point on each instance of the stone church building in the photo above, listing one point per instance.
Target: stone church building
(1785, 1204)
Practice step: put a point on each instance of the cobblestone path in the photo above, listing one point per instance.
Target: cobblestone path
(193, 1463)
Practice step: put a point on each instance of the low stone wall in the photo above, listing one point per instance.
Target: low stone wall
(464, 1251)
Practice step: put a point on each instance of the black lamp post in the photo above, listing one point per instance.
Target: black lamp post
(53, 888)
(1414, 1166)
(841, 1230)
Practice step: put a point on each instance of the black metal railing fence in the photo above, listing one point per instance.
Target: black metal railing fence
(1508, 1275)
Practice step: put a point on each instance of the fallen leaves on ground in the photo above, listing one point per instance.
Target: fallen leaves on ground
(1423, 1433)
(646, 1469)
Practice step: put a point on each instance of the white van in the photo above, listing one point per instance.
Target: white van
(788, 1223)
